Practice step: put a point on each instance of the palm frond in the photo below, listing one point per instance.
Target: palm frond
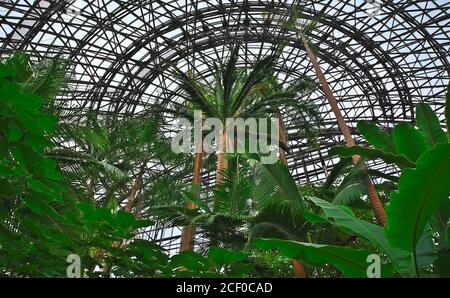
(351, 195)
(80, 160)
(229, 78)
(49, 77)
(234, 190)
(260, 71)
(338, 169)
(21, 64)
(273, 183)
(195, 91)
(175, 216)
(380, 174)
(280, 220)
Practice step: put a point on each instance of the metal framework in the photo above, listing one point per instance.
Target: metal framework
(380, 57)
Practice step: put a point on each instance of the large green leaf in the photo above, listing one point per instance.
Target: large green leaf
(421, 192)
(376, 136)
(221, 256)
(429, 125)
(125, 219)
(448, 235)
(375, 235)
(350, 194)
(338, 169)
(366, 230)
(341, 218)
(274, 182)
(425, 249)
(190, 260)
(351, 262)
(370, 153)
(439, 223)
(409, 141)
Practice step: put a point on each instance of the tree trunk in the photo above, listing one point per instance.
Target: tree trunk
(283, 138)
(132, 196)
(377, 205)
(222, 162)
(188, 233)
(187, 236)
(128, 206)
(131, 199)
(299, 268)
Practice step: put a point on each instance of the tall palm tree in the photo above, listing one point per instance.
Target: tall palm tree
(377, 205)
(188, 233)
(233, 94)
(291, 24)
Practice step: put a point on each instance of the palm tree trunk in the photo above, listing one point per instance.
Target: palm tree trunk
(299, 268)
(187, 236)
(132, 195)
(283, 138)
(131, 199)
(188, 233)
(222, 162)
(377, 205)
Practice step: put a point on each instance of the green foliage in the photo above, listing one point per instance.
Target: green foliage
(376, 136)
(50, 206)
(350, 194)
(351, 262)
(420, 206)
(269, 264)
(421, 192)
(273, 183)
(408, 141)
(43, 220)
(232, 193)
(236, 93)
(369, 153)
(284, 220)
(429, 126)
(218, 262)
(371, 233)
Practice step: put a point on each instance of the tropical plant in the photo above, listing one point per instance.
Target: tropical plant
(417, 216)
(292, 24)
(237, 94)
(43, 220)
(255, 200)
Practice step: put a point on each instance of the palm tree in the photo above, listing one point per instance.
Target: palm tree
(290, 24)
(188, 233)
(377, 205)
(234, 94)
(114, 159)
(302, 84)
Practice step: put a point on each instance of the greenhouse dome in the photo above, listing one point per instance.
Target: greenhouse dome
(359, 86)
